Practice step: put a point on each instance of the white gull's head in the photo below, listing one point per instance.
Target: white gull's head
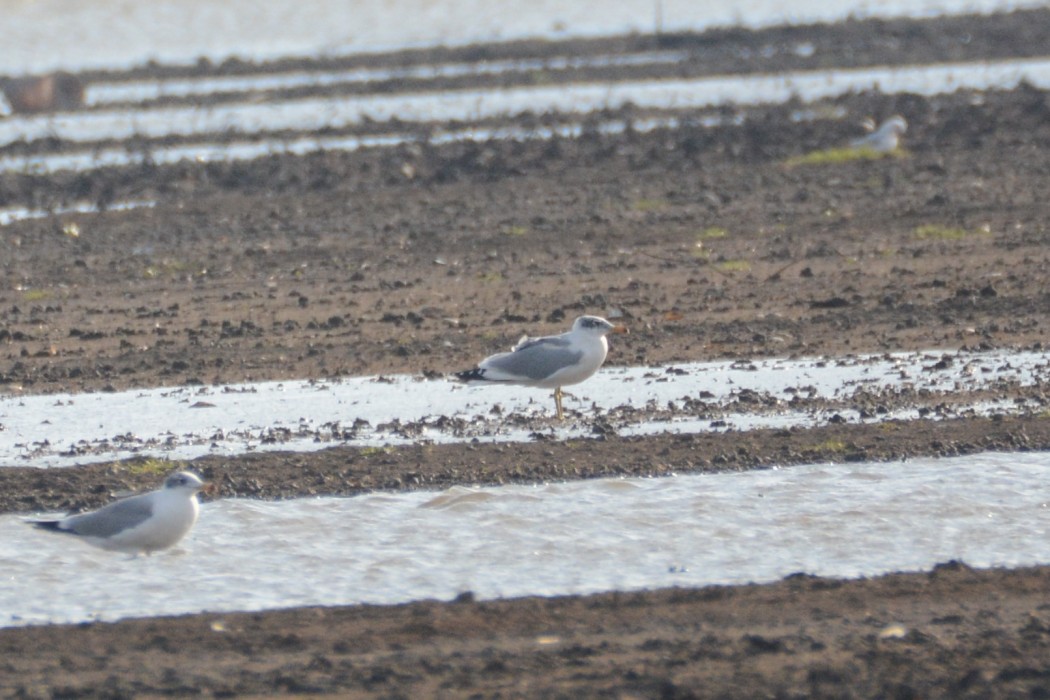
(595, 325)
(886, 138)
(187, 481)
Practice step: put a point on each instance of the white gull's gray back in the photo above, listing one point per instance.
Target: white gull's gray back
(536, 358)
(144, 523)
(550, 362)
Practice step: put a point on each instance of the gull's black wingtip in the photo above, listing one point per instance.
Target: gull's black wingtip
(52, 525)
(471, 375)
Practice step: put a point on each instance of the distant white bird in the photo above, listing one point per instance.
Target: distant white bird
(144, 523)
(550, 362)
(884, 139)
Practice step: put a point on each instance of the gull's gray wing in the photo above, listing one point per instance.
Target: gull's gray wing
(534, 360)
(114, 518)
(550, 341)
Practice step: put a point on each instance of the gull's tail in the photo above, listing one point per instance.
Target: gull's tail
(53, 525)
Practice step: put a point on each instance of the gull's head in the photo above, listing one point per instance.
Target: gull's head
(596, 325)
(187, 481)
(894, 125)
(886, 138)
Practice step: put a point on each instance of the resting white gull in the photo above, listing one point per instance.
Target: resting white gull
(884, 139)
(550, 362)
(144, 523)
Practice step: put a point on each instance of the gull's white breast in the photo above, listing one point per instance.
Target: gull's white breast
(173, 515)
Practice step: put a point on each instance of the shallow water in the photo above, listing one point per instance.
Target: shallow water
(576, 537)
(312, 143)
(185, 422)
(143, 90)
(317, 113)
(11, 214)
(115, 34)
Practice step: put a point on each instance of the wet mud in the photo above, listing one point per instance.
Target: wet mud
(951, 632)
(424, 258)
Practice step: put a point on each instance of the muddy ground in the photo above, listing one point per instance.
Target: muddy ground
(422, 259)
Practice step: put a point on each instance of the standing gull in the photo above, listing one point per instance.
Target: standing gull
(144, 523)
(884, 139)
(550, 362)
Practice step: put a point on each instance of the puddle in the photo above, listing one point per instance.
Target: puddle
(13, 214)
(142, 91)
(567, 538)
(116, 34)
(313, 143)
(187, 422)
(318, 113)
